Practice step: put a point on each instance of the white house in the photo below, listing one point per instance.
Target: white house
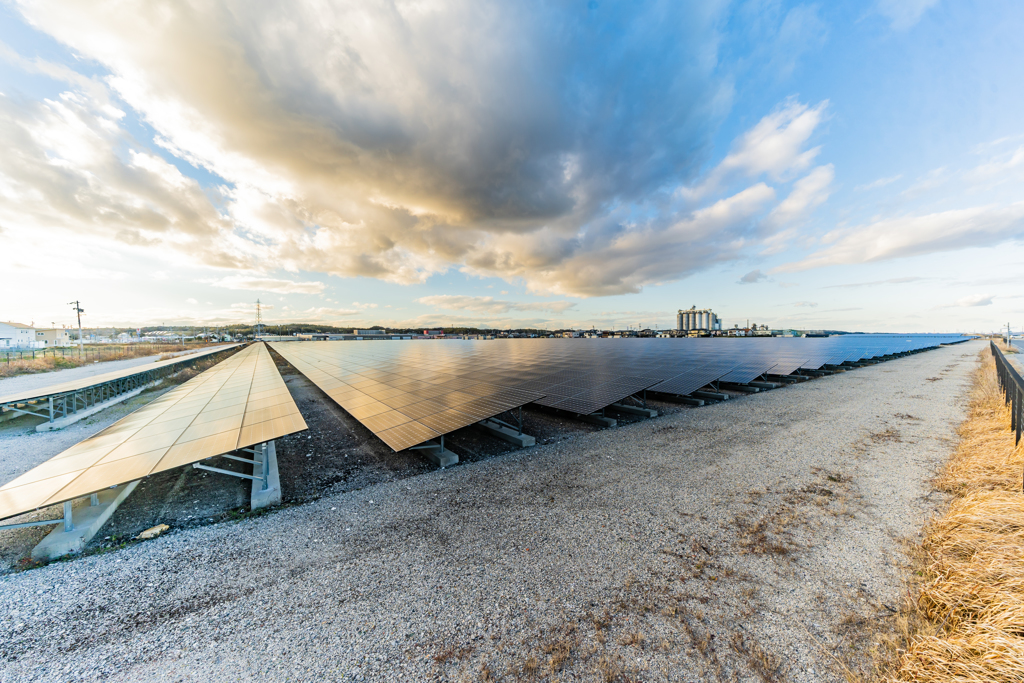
(18, 336)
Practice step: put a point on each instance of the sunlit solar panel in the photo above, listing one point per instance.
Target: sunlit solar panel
(240, 402)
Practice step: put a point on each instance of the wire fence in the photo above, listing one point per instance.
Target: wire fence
(1012, 385)
(93, 352)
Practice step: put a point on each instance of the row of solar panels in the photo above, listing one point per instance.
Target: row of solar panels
(238, 403)
(408, 393)
(83, 383)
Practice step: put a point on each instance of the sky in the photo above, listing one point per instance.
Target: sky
(425, 163)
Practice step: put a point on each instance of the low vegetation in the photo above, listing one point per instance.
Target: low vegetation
(965, 618)
(48, 363)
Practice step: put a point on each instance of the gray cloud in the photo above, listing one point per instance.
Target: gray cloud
(398, 140)
(752, 277)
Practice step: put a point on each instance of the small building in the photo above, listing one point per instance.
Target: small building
(18, 336)
(53, 337)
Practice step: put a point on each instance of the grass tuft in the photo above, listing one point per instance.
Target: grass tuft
(966, 621)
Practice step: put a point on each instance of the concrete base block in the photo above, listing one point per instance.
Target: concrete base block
(71, 419)
(690, 401)
(88, 520)
(260, 498)
(711, 395)
(442, 457)
(766, 386)
(633, 410)
(747, 388)
(505, 434)
(598, 420)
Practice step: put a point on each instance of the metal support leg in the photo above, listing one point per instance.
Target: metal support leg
(266, 470)
(94, 499)
(69, 524)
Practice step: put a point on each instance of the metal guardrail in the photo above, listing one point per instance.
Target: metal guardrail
(1012, 385)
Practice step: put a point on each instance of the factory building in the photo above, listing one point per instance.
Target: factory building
(695, 320)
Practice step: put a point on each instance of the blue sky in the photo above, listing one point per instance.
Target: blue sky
(838, 165)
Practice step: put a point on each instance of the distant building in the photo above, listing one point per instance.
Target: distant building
(693, 320)
(53, 337)
(18, 336)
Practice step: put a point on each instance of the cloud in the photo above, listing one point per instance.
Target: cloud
(363, 306)
(267, 285)
(903, 14)
(191, 301)
(775, 146)
(890, 281)
(489, 304)
(752, 277)
(904, 236)
(974, 300)
(806, 304)
(881, 182)
(358, 140)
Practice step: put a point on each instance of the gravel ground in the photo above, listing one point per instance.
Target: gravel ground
(754, 538)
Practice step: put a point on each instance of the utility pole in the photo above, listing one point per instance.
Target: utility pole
(78, 310)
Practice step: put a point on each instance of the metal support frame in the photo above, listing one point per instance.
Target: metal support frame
(260, 451)
(517, 418)
(62, 405)
(428, 444)
(67, 519)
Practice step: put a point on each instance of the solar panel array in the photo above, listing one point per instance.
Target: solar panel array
(409, 392)
(405, 400)
(240, 402)
(94, 380)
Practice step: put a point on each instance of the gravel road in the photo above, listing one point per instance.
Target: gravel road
(760, 534)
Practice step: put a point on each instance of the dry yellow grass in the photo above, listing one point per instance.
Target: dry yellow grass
(967, 621)
(49, 363)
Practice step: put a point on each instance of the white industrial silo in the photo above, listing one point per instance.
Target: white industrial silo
(679, 321)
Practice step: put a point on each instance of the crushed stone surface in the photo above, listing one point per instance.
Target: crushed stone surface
(759, 534)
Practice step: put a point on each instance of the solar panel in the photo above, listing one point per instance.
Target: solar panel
(239, 402)
(86, 382)
(404, 400)
(442, 385)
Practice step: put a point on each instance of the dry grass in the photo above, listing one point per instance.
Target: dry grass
(967, 620)
(50, 363)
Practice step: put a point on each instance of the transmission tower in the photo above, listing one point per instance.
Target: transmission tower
(259, 320)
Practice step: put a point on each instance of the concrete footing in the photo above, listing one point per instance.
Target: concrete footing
(71, 419)
(440, 456)
(260, 497)
(747, 388)
(690, 401)
(766, 386)
(504, 433)
(711, 395)
(596, 419)
(87, 521)
(633, 410)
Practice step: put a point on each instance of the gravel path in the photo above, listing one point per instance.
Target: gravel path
(758, 534)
